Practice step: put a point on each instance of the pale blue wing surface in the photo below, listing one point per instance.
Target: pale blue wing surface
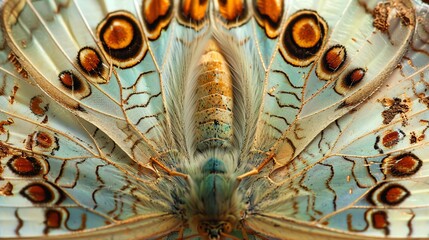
(300, 98)
(127, 103)
(365, 174)
(60, 174)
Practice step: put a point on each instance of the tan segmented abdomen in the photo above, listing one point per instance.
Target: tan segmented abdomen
(214, 105)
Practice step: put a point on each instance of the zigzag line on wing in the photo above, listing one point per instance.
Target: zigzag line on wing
(145, 104)
(327, 183)
(149, 116)
(98, 175)
(20, 223)
(410, 223)
(424, 52)
(138, 79)
(93, 196)
(354, 175)
(351, 227)
(110, 213)
(320, 142)
(281, 105)
(287, 78)
(73, 184)
(279, 117)
(290, 93)
(133, 94)
(106, 145)
(310, 197)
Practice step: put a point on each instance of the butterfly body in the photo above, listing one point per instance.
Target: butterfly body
(214, 119)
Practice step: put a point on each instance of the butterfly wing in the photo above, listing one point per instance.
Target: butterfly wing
(61, 175)
(107, 63)
(365, 174)
(327, 58)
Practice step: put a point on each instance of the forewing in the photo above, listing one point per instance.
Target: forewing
(105, 61)
(329, 57)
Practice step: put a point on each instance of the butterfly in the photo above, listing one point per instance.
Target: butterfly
(223, 119)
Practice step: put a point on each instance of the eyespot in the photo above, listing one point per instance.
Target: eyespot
(193, 13)
(74, 85)
(157, 15)
(332, 62)
(233, 12)
(303, 38)
(122, 39)
(269, 15)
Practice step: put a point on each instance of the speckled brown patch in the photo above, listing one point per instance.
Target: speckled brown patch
(423, 99)
(13, 95)
(382, 11)
(6, 190)
(14, 60)
(380, 14)
(405, 13)
(413, 138)
(398, 107)
(4, 150)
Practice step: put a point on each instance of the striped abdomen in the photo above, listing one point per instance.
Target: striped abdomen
(214, 116)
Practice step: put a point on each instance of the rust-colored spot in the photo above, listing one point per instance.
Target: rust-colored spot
(273, 9)
(393, 194)
(6, 190)
(36, 106)
(53, 219)
(38, 193)
(194, 10)
(403, 165)
(119, 34)
(13, 95)
(153, 10)
(306, 33)
(231, 10)
(70, 81)
(24, 166)
(397, 107)
(354, 77)
(334, 58)
(44, 140)
(3, 123)
(391, 139)
(89, 60)
(379, 220)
